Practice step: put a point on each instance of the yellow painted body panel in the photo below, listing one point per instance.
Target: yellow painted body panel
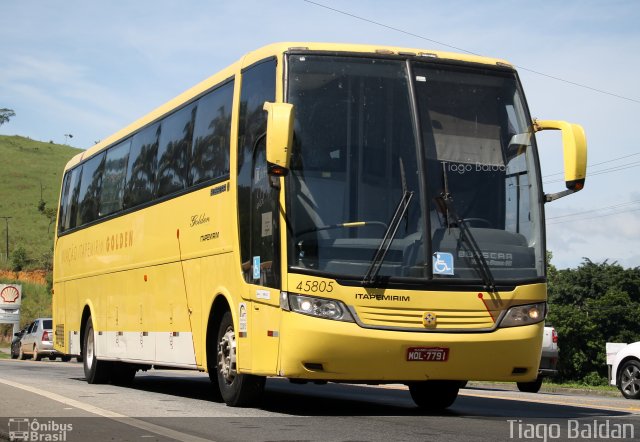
(349, 352)
(158, 270)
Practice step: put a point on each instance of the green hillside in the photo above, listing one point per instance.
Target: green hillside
(27, 166)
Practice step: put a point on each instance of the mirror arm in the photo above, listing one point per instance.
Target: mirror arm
(548, 197)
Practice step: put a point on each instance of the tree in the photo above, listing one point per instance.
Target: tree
(5, 115)
(19, 259)
(590, 305)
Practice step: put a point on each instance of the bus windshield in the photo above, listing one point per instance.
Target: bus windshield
(453, 140)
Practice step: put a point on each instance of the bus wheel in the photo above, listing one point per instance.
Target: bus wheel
(95, 371)
(122, 373)
(434, 395)
(237, 390)
(530, 387)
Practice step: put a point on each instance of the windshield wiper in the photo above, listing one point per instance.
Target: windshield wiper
(466, 236)
(390, 233)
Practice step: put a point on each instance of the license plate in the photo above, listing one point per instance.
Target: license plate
(427, 354)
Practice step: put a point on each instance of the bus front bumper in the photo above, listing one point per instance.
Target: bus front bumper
(320, 349)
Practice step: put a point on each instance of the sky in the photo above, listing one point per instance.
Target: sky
(90, 68)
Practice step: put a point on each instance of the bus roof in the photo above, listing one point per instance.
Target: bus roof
(275, 49)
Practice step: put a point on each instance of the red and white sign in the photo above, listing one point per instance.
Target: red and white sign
(10, 295)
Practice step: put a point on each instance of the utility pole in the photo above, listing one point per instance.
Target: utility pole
(6, 220)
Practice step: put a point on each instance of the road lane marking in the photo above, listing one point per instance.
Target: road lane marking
(630, 409)
(133, 422)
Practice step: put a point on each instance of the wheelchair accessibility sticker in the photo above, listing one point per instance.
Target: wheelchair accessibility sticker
(442, 263)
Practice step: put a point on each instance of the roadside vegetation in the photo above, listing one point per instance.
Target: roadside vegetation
(589, 306)
(30, 183)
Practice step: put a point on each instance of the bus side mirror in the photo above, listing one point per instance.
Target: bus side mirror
(574, 144)
(279, 137)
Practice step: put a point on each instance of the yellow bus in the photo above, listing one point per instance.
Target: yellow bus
(316, 212)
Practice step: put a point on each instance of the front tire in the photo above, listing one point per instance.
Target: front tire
(237, 390)
(21, 354)
(95, 371)
(630, 380)
(434, 396)
(530, 387)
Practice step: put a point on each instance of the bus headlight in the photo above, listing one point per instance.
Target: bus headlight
(524, 315)
(318, 307)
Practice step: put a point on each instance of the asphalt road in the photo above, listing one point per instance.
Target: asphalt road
(50, 400)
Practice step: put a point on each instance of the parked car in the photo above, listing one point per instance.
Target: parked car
(37, 342)
(15, 343)
(548, 361)
(624, 368)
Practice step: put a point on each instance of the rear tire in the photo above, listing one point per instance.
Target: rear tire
(95, 371)
(530, 387)
(122, 373)
(630, 380)
(434, 396)
(65, 358)
(36, 356)
(237, 390)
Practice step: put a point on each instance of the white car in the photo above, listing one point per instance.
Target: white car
(548, 361)
(624, 368)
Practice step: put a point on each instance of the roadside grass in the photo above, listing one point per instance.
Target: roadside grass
(4, 355)
(582, 386)
(34, 171)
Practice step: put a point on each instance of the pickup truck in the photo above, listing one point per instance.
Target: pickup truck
(548, 361)
(624, 368)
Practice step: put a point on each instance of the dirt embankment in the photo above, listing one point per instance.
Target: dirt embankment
(34, 276)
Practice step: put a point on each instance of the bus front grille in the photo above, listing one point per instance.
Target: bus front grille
(412, 319)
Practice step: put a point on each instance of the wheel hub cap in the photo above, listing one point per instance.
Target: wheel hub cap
(227, 355)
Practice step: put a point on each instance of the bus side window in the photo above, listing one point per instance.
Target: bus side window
(89, 192)
(211, 135)
(68, 204)
(115, 171)
(175, 143)
(141, 170)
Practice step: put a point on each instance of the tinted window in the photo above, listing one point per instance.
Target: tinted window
(69, 199)
(141, 170)
(258, 86)
(175, 143)
(210, 151)
(115, 171)
(90, 190)
(47, 324)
